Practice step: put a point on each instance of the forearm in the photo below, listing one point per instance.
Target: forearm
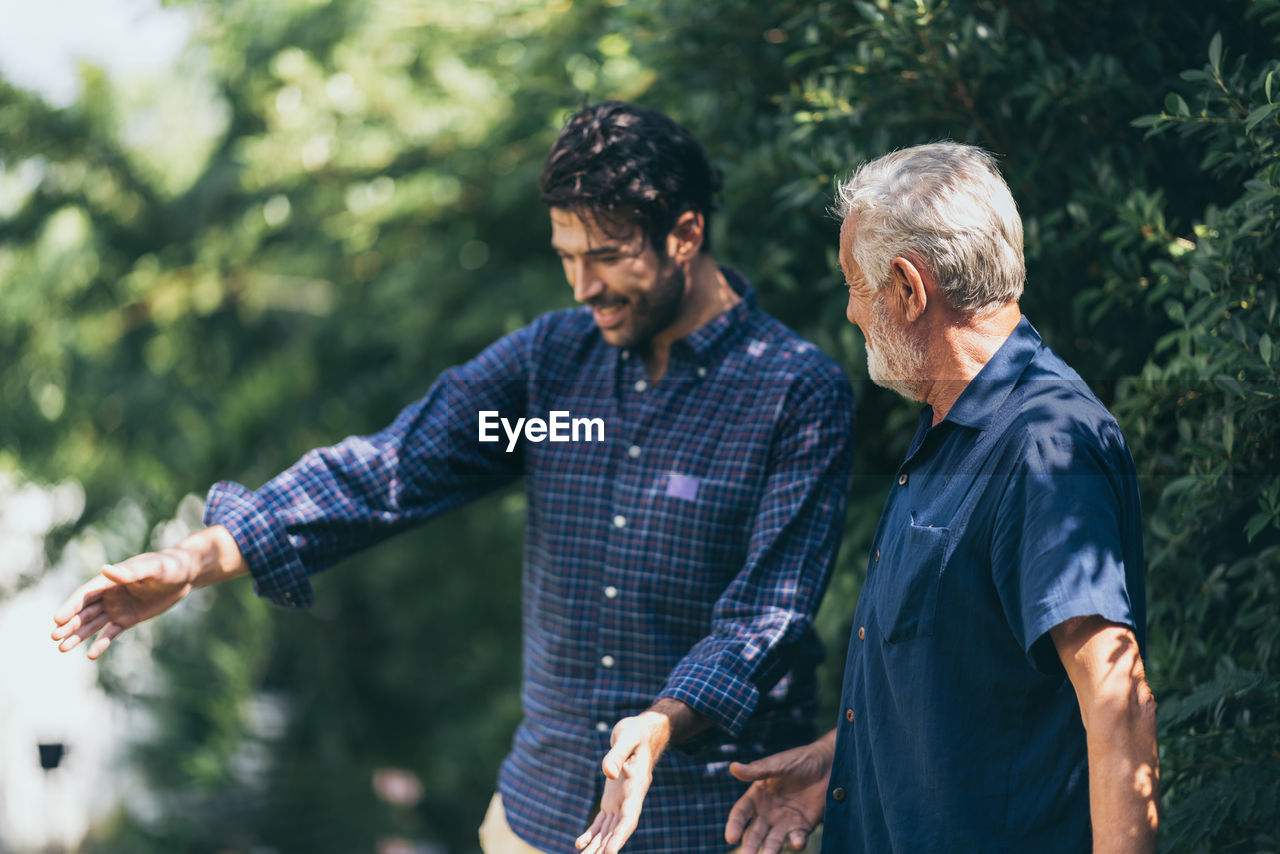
(1119, 717)
(1124, 776)
(215, 556)
(681, 723)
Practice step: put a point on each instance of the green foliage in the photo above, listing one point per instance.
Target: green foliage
(343, 205)
(1203, 420)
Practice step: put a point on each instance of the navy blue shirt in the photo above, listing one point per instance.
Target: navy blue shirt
(958, 729)
(679, 550)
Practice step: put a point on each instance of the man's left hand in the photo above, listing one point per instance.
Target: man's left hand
(637, 743)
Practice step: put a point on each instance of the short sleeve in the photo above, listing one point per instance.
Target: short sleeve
(1064, 537)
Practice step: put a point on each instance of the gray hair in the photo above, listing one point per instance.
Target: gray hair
(943, 205)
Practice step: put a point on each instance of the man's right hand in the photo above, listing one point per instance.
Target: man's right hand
(124, 594)
(787, 798)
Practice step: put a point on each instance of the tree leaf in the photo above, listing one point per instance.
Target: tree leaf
(1259, 114)
(1255, 525)
(1215, 51)
(1230, 682)
(1175, 105)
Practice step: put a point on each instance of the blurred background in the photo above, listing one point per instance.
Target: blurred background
(232, 231)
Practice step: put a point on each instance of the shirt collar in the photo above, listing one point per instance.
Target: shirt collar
(985, 393)
(717, 333)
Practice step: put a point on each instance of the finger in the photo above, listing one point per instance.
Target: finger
(625, 826)
(774, 841)
(76, 621)
(108, 634)
(757, 831)
(797, 839)
(85, 632)
(591, 832)
(761, 769)
(129, 571)
(85, 594)
(619, 837)
(741, 814)
(619, 754)
(593, 847)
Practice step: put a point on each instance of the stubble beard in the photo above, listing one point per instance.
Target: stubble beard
(654, 311)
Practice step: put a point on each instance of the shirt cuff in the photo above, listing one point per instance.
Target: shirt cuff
(722, 697)
(278, 574)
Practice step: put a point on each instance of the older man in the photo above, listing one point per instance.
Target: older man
(994, 696)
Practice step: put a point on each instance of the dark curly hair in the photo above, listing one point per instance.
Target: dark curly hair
(623, 166)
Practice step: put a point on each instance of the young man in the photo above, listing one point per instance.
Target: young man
(994, 697)
(674, 555)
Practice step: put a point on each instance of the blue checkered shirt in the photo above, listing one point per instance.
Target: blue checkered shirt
(682, 554)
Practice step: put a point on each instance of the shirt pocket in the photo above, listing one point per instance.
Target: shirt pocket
(906, 594)
(698, 526)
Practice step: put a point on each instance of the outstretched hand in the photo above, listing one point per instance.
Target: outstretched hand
(786, 800)
(637, 743)
(122, 595)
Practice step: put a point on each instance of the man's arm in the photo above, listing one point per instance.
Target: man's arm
(1119, 713)
(332, 502)
(124, 594)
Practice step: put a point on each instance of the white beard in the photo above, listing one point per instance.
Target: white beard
(895, 361)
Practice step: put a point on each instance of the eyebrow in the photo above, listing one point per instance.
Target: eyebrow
(599, 250)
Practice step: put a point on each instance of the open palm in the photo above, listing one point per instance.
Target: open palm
(120, 596)
(785, 802)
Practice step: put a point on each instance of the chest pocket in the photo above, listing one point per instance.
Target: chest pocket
(906, 591)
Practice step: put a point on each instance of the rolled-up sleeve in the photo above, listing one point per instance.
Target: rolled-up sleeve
(795, 534)
(337, 500)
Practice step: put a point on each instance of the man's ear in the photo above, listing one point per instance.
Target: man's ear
(908, 286)
(685, 238)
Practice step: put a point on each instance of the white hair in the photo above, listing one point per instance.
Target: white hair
(945, 206)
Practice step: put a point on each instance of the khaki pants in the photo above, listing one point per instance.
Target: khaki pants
(497, 837)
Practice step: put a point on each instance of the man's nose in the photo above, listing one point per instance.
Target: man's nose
(585, 281)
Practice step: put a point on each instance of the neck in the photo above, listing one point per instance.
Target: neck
(708, 295)
(959, 350)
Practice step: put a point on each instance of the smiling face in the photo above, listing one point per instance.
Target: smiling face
(633, 293)
(896, 358)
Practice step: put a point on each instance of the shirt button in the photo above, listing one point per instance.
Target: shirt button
(848, 715)
(702, 372)
(626, 354)
(877, 555)
(862, 632)
(607, 661)
(601, 726)
(902, 479)
(633, 451)
(837, 794)
(619, 521)
(641, 385)
(611, 592)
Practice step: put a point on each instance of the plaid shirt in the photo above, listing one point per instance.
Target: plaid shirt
(682, 556)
